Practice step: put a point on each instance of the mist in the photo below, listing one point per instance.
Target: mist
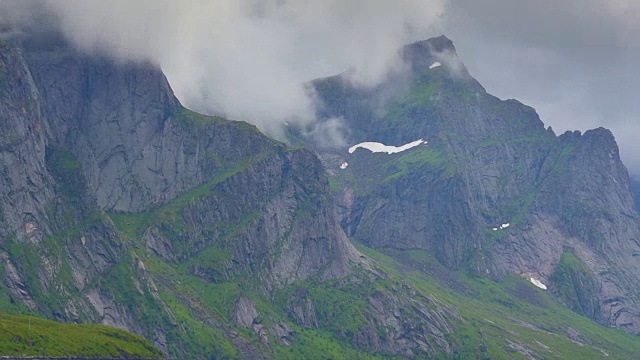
(575, 61)
(249, 59)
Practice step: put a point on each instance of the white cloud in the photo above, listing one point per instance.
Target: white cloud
(248, 59)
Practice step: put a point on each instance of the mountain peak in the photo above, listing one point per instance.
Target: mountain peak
(433, 52)
(435, 44)
(430, 49)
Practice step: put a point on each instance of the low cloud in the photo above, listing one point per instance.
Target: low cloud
(248, 59)
(328, 134)
(575, 61)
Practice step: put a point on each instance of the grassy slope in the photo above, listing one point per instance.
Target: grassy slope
(498, 315)
(30, 336)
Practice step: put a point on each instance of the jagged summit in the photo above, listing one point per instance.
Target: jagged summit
(430, 46)
(432, 53)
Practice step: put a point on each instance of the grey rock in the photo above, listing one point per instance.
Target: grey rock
(15, 284)
(245, 312)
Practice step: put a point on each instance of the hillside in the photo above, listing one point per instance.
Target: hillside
(30, 336)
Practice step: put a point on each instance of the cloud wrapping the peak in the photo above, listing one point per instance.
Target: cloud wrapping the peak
(575, 61)
(249, 59)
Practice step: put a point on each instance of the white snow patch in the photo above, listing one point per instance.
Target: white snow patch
(435, 65)
(377, 147)
(344, 165)
(502, 227)
(538, 283)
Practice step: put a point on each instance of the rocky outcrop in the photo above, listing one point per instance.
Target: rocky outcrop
(16, 285)
(407, 325)
(245, 312)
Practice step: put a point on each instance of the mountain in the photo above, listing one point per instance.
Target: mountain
(572, 223)
(119, 206)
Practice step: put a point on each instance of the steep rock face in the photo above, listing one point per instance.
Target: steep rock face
(25, 186)
(272, 221)
(45, 234)
(581, 207)
(492, 190)
(137, 149)
(113, 118)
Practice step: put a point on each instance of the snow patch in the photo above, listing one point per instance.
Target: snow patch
(538, 283)
(435, 65)
(502, 227)
(377, 147)
(344, 165)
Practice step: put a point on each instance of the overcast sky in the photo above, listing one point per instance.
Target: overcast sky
(575, 61)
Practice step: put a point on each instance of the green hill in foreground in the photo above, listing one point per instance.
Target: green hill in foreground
(30, 336)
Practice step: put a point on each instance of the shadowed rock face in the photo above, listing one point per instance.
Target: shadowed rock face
(488, 162)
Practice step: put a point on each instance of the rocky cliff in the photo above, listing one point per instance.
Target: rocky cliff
(492, 190)
(86, 138)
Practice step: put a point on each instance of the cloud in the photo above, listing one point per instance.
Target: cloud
(249, 59)
(575, 61)
(328, 134)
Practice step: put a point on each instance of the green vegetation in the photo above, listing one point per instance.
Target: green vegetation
(66, 169)
(321, 345)
(410, 161)
(565, 275)
(30, 336)
(29, 260)
(193, 300)
(198, 313)
(370, 171)
(504, 139)
(130, 225)
(573, 284)
(340, 309)
(170, 215)
(196, 122)
(191, 120)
